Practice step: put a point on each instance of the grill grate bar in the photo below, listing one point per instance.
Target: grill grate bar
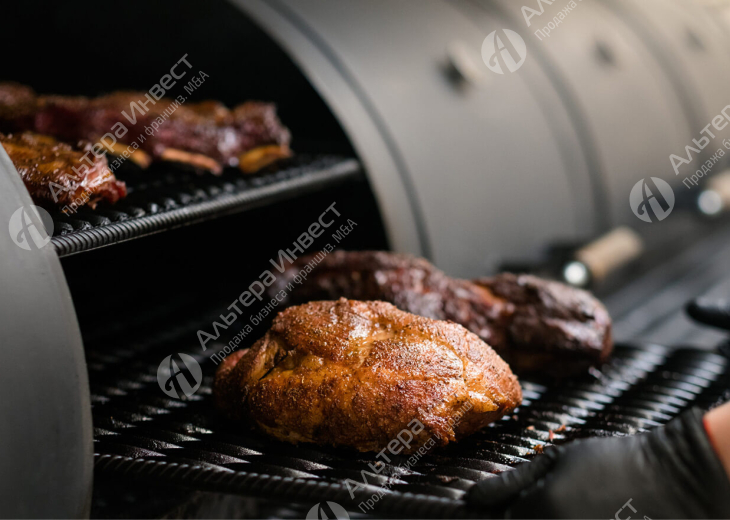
(141, 433)
(160, 200)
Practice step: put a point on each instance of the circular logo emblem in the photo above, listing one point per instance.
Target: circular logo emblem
(327, 510)
(178, 375)
(31, 227)
(504, 50)
(653, 197)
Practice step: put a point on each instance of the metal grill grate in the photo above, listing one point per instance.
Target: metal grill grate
(165, 197)
(141, 433)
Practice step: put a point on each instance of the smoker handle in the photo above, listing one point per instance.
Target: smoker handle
(46, 435)
(464, 65)
(713, 312)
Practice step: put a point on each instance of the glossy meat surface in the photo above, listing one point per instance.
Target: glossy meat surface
(534, 324)
(350, 373)
(17, 107)
(207, 128)
(551, 327)
(47, 168)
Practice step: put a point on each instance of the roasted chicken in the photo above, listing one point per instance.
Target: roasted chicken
(206, 135)
(47, 168)
(358, 374)
(535, 325)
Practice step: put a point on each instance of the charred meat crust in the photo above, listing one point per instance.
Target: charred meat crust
(355, 374)
(55, 175)
(536, 325)
(551, 323)
(205, 128)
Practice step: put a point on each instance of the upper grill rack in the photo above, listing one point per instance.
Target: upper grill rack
(165, 197)
(141, 433)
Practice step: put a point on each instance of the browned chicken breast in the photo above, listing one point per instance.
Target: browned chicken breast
(534, 324)
(357, 374)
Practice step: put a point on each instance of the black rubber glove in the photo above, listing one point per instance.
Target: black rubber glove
(670, 472)
(711, 312)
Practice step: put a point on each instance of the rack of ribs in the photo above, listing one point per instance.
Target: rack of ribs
(55, 174)
(206, 135)
(536, 325)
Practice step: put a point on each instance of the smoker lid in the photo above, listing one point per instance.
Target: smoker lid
(45, 453)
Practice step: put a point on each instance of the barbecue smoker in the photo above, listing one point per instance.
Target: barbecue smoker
(398, 122)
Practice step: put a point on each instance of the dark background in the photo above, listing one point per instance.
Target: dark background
(91, 48)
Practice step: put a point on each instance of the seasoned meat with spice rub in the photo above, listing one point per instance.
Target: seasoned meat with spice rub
(55, 174)
(536, 325)
(356, 374)
(206, 134)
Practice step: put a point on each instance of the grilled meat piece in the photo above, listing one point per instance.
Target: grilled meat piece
(350, 373)
(205, 134)
(551, 327)
(46, 167)
(17, 107)
(534, 324)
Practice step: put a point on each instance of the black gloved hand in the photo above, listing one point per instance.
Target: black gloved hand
(710, 312)
(670, 472)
